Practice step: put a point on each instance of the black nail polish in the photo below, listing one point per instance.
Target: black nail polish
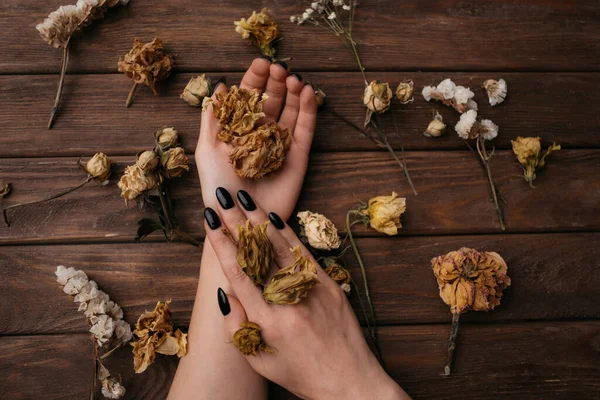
(218, 83)
(246, 200)
(224, 198)
(308, 83)
(212, 218)
(224, 305)
(284, 65)
(276, 220)
(269, 59)
(297, 75)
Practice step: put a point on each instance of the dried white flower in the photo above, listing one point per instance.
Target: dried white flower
(488, 130)
(496, 90)
(469, 128)
(462, 95)
(112, 389)
(446, 88)
(332, 16)
(102, 328)
(458, 97)
(466, 122)
(346, 288)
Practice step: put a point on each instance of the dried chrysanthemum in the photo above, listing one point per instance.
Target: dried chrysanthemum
(135, 182)
(248, 340)
(196, 90)
(260, 29)
(404, 92)
(468, 127)
(320, 232)
(496, 90)
(377, 96)
(458, 97)
(174, 162)
(146, 64)
(111, 387)
(148, 161)
(255, 252)
(436, 127)
(154, 332)
(98, 167)
(320, 97)
(339, 274)
(4, 188)
(291, 284)
(529, 154)
(166, 138)
(384, 213)
(469, 280)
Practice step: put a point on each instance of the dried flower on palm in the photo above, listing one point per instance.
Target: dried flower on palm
(318, 230)
(4, 188)
(248, 340)
(458, 97)
(166, 138)
(260, 29)
(196, 90)
(529, 154)
(469, 280)
(468, 127)
(384, 213)
(436, 127)
(174, 162)
(255, 252)
(111, 387)
(377, 97)
(291, 284)
(496, 90)
(155, 334)
(148, 161)
(339, 274)
(135, 182)
(146, 64)
(404, 92)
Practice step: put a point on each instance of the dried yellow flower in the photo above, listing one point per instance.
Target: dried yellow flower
(196, 90)
(260, 29)
(166, 138)
(384, 213)
(148, 161)
(529, 153)
(99, 168)
(174, 162)
(135, 182)
(339, 274)
(377, 96)
(436, 127)
(4, 188)
(291, 284)
(320, 96)
(146, 63)
(404, 92)
(248, 340)
(255, 252)
(320, 232)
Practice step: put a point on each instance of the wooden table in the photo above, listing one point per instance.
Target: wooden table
(542, 342)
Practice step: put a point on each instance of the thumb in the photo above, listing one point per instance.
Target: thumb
(232, 311)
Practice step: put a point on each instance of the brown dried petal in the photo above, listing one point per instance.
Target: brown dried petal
(248, 340)
(196, 90)
(255, 252)
(291, 284)
(135, 181)
(339, 274)
(146, 63)
(174, 162)
(320, 232)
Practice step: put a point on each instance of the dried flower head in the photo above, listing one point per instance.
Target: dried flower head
(339, 274)
(320, 96)
(291, 284)
(98, 167)
(320, 232)
(436, 127)
(60, 25)
(404, 92)
(135, 182)
(468, 127)
(146, 63)
(377, 96)
(248, 340)
(148, 161)
(458, 97)
(496, 90)
(4, 188)
(529, 154)
(111, 387)
(196, 90)
(255, 252)
(260, 29)
(384, 213)
(174, 162)
(154, 332)
(166, 138)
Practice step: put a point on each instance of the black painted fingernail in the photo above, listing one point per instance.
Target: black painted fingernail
(297, 75)
(212, 218)
(276, 220)
(284, 65)
(218, 83)
(246, 200)
(308, 83)
(224, 305)
(224, 198)
(269, 59)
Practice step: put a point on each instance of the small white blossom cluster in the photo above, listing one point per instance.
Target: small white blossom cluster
(496, 90)
(458, 97)
(327, 9)
(469, 128)
(105, 316)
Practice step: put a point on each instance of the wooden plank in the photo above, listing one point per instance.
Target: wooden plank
(444, 34)
(558, 107)
(545, 285)
(517, 361)
(453, 198)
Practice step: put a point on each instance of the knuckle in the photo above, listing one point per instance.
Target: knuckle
(235, 274)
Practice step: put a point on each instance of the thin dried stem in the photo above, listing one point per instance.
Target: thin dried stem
(485, 159)
(61, 81)
(451, 344)
(130, 96)
(369, 329)
(162, 195)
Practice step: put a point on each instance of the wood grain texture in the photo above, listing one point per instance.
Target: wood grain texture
(454, 195)
(558, 107)
(545, 283)
(443, 34)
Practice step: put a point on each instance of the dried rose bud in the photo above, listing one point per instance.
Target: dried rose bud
(255, 252)
(291, 284)
(174, 162)
(318, 230)
(99, 167)
(496, 90)
(436, 127)
(260, 29)
(377, 96)
(148, 161)
(166, 138)
(320, 96)
(147, 63)
(384, 213)
(4, 188)
(404, 92)
(529, 154)
(248, 340)
(339, 274)
(196, 90)
(135, 182)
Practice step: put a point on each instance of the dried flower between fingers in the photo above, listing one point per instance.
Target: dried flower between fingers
(384, 213)
(248, 340)
(260, 29)
(458, 97)
(529, 154)
(339, 274)
(196, 90)
(135, 182)
(154, 332)
(404, 92)
(174, 163)
(291, 284)
(496, 90)
(4, 188)
(111, 387)
(468, 127)
(320, 232)
(98, 167)
(436, 127)
(166, 138)
(255, 252)
(320, 96)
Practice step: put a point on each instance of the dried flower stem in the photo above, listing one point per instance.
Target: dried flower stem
(485, 158)
(63, 72)
(369, 328)
(451, 344)
(130, 96)
(94, 372)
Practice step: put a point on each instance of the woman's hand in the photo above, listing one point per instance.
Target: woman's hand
(293, 105)
(321, 350)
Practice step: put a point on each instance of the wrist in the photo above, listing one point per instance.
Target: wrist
(376, 386)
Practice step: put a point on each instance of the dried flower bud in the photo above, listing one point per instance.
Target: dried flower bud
(529, 154)
(99, 167)
(384, 213)
(404, 92)
(248, 340)
(196, 90)
(146, 63)
(436, 127)
(320, 96)
(377, 96)
(496, 90)
(4, 188)
(260, 29)
(255, 252)
(166, 138)
(458, 97)
(319, 231)
(291, 284)
(339, 274)
(135, 182)
(174, 162)
(148, 161)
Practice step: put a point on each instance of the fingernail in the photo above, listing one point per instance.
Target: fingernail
(276, 220)
(224, 198)
(297, 75)
(212, 218)
(218, 83)
(223, 302)
(246, 200)
(308, 83)
(284, 65)
(269, 59)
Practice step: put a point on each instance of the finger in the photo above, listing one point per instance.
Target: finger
(232, 311)
(307, 119)
(209, 126)
(276, 90)
(257, 75)
(289, 115)
(231, 216)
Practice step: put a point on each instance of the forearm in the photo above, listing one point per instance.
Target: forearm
(213, 368)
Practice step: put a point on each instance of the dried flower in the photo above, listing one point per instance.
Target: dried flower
(135, 182)
(174, 162)
(154, 332)
(404, 92)
(98, 167)
(458, 97)
(496, 90)
(4, 188)
(339, 274)
(148, 161)
(166, 138)
(377, 96)
(255, 252)
(529, 154)
(248, 340)
(469, 128)
(111, 387)
(260, 29)
(384, 213)
(196, 90)
(436, 127)
(291, 284)
(318, 230)
(320, 96)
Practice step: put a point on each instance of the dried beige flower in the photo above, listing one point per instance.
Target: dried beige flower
(468, 127)
(496, 90)
(404, 92)
(255, 252)
(320, 96)
(148, 161)
(436, 127)
(248, 340)
(291, 284)
(166, 138)
(320, 232)
(98, 167)
(111, 387)
(4, 188)
(135, 182)
(458, 97)
(196, 90)
(260, 29)
(377, 96)
(60, 25)
(174, 162)
(339, 274)
(384, 213)
(529, 154)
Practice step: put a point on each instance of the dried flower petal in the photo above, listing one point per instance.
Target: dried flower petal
(496, 90)
(320, 96)
(458, 97)
(404, 92)
(174, 162)
(248, 340)
(466, 122)
(146, 63)
(384, 213)
(291, 284)
(319, 230)
(529, 154)
(255, 252)
(61, 24)
(196, 90)
(339, 274)
(148, 161)
(166, 138)
(135, 182)
(377, 96)
(99, 168)
(260, 29)
(436, 127)
(4, 188)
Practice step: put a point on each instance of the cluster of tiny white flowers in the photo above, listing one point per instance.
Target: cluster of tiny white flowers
(486, 128)
(321, 8)
(450, 91)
